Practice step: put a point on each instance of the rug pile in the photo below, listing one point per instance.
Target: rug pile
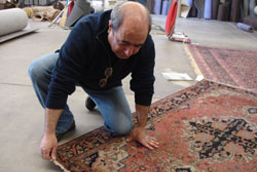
(231, 66)
(206, 127)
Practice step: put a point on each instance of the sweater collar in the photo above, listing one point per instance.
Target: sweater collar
(102, 37)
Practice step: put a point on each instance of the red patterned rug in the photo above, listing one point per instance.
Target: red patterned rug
(231, 66)
(205, 127)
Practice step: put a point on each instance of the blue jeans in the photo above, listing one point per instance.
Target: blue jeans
(111, 103)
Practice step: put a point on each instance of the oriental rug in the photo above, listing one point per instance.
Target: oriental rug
(206, 127)
(231, 66)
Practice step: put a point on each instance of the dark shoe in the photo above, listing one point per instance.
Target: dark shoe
(60, 136)
(90, 104)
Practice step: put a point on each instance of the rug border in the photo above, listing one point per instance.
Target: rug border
(152, 105)
(232, 86)
(192, 61)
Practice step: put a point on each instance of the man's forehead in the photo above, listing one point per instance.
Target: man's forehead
(129, 43)
(132, 37)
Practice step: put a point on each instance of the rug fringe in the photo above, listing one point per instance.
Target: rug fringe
(192, 60)
(60, 165)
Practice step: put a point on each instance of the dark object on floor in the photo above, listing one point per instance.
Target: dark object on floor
(244, 27)
(90, 104)
(60, 136)
(251, 20)
(206, 127)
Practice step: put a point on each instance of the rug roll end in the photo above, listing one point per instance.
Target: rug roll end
(245, 27)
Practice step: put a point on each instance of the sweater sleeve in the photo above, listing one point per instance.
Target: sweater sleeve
(67, 71)
(142, 82)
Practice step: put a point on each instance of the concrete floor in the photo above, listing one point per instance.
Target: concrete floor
(22, 117)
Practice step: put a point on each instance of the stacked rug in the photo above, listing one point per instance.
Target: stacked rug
(231, 66)
(206, 127)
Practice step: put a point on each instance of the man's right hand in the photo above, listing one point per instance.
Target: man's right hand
(48, 146)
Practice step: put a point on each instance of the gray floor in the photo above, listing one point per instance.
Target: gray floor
(21, 123)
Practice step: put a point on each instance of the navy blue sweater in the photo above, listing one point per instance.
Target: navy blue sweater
(86, 54)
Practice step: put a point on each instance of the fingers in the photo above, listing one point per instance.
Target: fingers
(48, 147)
(151, 143)
(46, 154)
(53, 155)
(129, 139)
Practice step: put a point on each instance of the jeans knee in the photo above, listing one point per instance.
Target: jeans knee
(32, 71)
(123, 129)
(36, 72)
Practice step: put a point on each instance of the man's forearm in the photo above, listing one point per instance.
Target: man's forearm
(142, 113)
(51, 120)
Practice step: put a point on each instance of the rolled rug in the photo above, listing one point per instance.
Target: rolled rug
(38, 16)
(245, 9)
(208, 9)
(244, 27)
(223, 13)
(165, 7)
(12, 20)
(215, 8)
(235, 10)
(35, 9)
(50, 15)
(199, 4)
(157, 6)
(190, 3)
(252, 5)
(149, 5)
(193, 11)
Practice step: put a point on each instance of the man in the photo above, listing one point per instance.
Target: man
(101, 50)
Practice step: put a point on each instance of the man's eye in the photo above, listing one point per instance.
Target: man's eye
(138, 46)
(124, 44)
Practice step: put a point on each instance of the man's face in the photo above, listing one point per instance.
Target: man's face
(127, 40)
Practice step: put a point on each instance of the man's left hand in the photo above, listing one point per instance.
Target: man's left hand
(140, 135)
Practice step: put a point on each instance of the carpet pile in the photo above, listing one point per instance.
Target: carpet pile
(230, 66)
(206, 127)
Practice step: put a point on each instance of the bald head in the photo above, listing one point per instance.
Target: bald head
(128, 28)
(133, 12)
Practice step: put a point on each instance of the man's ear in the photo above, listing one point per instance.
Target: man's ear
(109, 26)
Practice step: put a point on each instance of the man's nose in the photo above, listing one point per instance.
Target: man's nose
(129, 50)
